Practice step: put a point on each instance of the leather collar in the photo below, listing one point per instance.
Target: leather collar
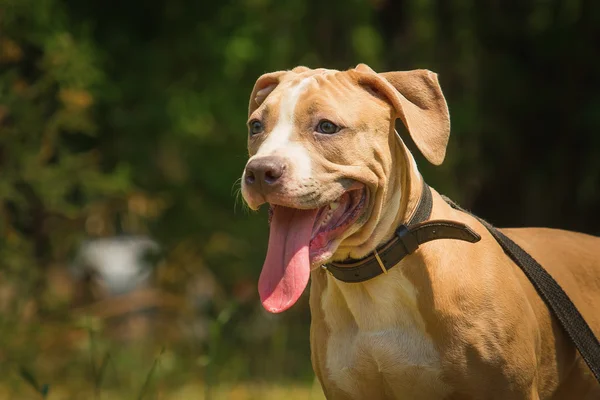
(406, 241)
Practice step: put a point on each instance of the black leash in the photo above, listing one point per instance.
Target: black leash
(553, 295)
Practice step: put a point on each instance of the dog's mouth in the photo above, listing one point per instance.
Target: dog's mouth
(300, 239)
(331, 221)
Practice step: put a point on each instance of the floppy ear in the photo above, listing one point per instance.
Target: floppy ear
(419, 103)
(264, 85)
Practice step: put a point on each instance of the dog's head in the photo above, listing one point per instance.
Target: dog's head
(322, 146)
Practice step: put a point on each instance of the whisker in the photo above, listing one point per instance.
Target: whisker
(237, 192)
(237, 182)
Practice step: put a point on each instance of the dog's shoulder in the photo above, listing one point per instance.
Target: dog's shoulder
(576, 252)
(572, 258)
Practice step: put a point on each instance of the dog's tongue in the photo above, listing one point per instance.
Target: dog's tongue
(287, 266)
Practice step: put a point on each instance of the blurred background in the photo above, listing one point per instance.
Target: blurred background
(128, 268)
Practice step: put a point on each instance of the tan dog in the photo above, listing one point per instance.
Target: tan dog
(454, 320)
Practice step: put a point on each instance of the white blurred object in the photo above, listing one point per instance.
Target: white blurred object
(118, 264)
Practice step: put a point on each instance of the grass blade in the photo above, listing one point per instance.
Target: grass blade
(149, 375)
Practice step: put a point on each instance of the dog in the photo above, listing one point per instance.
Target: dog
(452, 320)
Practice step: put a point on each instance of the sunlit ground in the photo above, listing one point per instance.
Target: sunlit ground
(190, 391)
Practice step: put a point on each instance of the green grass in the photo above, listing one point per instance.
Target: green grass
(190, 391)
(75, 361)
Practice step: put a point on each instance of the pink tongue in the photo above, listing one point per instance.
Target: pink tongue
(287, 266)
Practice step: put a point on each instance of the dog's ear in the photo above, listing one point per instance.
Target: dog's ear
(264, 85)
(419, 103)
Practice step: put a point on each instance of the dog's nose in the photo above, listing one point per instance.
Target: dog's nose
(265, 171)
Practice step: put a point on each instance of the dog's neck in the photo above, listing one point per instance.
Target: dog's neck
(411, 187)
(403, 192)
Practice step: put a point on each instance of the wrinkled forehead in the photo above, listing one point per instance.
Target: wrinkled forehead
(310, 91)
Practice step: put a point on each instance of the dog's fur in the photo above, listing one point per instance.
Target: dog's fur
(454, 320)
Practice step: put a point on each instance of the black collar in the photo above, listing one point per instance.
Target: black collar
(407, 239)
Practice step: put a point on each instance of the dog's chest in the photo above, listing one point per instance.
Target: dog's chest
(377, 345)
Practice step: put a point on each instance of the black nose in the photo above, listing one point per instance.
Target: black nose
(265, 171)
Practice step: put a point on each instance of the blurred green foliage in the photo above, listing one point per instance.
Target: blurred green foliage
(129, 117)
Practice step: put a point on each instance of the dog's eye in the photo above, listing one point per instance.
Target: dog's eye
(255, 127)
(327, 127)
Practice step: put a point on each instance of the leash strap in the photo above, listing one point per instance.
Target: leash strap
(553, 295)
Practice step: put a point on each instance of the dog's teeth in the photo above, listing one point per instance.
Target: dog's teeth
(334, 205)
